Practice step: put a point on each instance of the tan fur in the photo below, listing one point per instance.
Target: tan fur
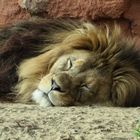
(98, 41)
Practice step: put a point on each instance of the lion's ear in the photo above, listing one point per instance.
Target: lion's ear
(126, 88)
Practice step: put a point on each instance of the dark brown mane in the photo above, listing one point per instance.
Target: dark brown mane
(33, 38)
(22, 41)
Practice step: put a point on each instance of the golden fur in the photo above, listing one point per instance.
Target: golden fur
(109, 60)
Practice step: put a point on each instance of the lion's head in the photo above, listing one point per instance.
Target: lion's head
(72, 80)
(86, 65)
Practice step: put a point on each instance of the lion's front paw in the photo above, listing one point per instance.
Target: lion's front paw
(40, 98)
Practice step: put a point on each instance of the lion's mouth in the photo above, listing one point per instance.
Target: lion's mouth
(46, 95)
(54, 96)
(54, 87)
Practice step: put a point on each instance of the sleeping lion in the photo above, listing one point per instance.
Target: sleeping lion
(68, 62)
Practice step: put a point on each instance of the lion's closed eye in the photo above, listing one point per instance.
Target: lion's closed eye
(69, 64)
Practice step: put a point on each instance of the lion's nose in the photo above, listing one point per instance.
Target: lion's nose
(55, 86)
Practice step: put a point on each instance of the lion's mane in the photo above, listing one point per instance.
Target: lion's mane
(29, 49)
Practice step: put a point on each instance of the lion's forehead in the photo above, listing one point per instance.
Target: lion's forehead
(78, 58)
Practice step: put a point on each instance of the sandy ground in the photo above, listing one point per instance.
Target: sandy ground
(31, 122)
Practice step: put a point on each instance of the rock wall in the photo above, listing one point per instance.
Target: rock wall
(124, 12)
(11, 12)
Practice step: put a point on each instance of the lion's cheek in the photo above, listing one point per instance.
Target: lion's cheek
(60, 99)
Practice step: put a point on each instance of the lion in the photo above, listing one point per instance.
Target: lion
(63, 62)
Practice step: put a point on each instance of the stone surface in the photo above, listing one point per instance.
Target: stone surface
(11, 12)
(87, 9)
(133, 15)
(34, 6)
(31, 122)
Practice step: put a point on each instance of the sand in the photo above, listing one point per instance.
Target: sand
(31, 122)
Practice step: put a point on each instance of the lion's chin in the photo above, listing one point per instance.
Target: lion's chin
(41, 98)
(52, 98)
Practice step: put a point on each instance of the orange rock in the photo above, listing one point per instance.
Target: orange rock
(87, 9)
(11, 12)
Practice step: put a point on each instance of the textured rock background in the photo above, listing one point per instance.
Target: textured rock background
(124, 12)
(11, 12)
